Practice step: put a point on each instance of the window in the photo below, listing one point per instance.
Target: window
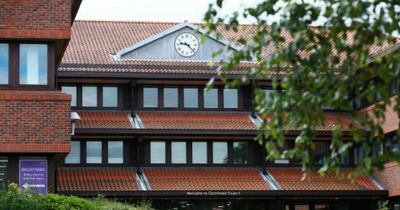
(4, 64)
(230, 98)
(199, 152)
(75, 155)
(110, 96)
(150, 97)
(220, 152)
(33, 64)
(115, 152)
(171, 97)
(358, 154)
(178, 152)
(157, 152)
(240, 152)
(211, 98)
(93, 152)
(3, 173)
(268, 95)
(191, 97)
(319, 152)
(89, 96)
(71, 90)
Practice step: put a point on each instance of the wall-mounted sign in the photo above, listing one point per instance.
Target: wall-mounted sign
(213, 193)
(33, 175)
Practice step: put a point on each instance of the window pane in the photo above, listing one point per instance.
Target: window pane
(157, 152)
(178, 152)
(230, 98)
(240, 152)
(220, 152)
(150, 97)
(115, 152)
(199, 150)
(211, 98)
(191, 97)
(89, 96)
(268, 96)
(171, 97)
(33, 64)
(93, 152)
(319, 153)
(71, 90)
(75, 155)
(110, 96)
(4, 64)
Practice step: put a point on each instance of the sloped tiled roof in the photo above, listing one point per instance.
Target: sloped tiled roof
(98, 179)
(94, 42)
(204, 179)
(291, 179)
(196, 120)
(110, 120)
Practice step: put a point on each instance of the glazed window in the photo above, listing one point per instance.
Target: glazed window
(93, 152)
(220, 152)
(320, 151)
(170, 97)
(4, 66)
(33, 64)
(115, 152)
(230, 98)
(199, 152)
(89, 96)
(74, 156)
(157, 152)
(178, 152)
(71, 90)
(3, 173)
(191, 97)
(110, 96)
(240, 152)
(392, 144)
(150, 97)
(211, 98)
(268, 95)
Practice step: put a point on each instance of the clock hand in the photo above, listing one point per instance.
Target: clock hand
(187, 45)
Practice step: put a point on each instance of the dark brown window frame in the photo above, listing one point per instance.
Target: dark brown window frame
(13, 67)
(181, 107)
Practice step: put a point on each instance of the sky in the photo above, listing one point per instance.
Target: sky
(154, 10)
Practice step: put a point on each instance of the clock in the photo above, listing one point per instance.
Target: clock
(186, 44)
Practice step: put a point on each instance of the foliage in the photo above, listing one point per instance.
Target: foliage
(383, 205)
(325, 66)
(16, 199)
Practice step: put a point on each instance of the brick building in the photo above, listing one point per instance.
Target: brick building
(121, 110)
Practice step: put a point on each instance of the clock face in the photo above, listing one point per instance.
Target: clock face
(186, 44)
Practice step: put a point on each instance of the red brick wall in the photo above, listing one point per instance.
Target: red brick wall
(35, 121)
(47, 19)
(390, 178)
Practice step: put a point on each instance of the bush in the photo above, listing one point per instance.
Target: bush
(16, 199)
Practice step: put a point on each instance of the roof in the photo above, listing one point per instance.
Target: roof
(205, 179)
(99, 179)
(196, 120)
(109, 120)
(291, 179)
(94, 44)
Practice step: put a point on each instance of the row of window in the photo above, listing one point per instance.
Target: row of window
(89, 96)
(32, 60)
(94, 152)
(200, 155)
(170, 97)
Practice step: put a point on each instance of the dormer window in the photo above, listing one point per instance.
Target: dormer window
(33, 64)
(4, 64)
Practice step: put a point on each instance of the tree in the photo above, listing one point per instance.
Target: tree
(314, 67)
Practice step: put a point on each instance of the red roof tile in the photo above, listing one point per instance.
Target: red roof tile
(96, 180)
(94, 42)
(205, 179)
(111, 120)
(193, 120)
(290, 179)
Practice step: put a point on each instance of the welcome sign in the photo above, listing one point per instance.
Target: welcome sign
(33, 175)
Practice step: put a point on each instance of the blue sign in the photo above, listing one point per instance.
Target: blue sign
(33, 175)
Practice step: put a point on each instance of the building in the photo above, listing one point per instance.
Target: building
(122, 111)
